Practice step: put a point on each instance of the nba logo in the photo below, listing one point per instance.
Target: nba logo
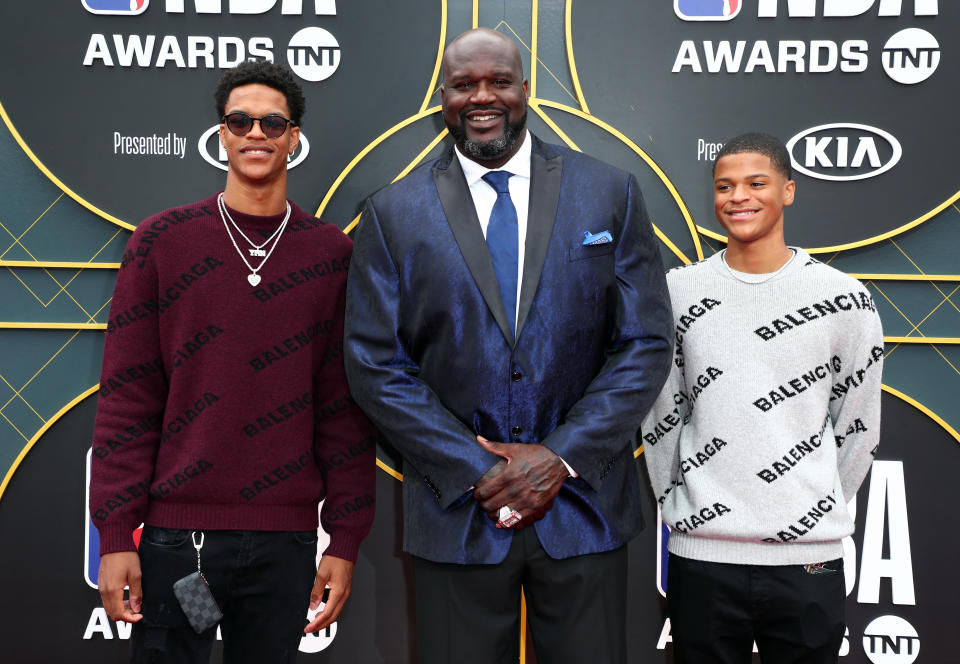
(129, 7)
(706, 10)
(663, 555)
(91, 539)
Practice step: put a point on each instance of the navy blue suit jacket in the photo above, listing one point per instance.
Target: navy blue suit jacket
(431, 359)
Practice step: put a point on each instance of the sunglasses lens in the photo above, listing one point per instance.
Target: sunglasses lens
(239, 123)
(273, 126)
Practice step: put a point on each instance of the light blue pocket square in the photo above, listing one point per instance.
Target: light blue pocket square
(603, 237)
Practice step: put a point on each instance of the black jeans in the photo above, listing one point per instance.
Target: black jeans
(261, 581)
(717, 611)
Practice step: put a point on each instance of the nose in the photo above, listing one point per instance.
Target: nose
(256, 131)
(483, 94)
(740, 193)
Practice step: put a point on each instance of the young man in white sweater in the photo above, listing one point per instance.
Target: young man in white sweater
(764, 430)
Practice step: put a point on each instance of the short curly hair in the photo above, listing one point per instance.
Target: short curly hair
(766, 144)
(266, 73)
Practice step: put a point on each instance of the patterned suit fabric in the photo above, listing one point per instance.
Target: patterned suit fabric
(432, 360)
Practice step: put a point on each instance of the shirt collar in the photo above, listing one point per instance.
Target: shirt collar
(519, 163)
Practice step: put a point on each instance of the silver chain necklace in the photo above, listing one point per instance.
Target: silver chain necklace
(253, 277)
(255, 249)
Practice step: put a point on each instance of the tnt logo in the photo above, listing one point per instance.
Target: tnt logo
(317, 641)
(126, 7)
(891, 640)
(313, 54)
(706, 10)
(91, 539)
(911, 56)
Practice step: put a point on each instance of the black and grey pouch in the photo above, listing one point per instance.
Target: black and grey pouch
(196, 599)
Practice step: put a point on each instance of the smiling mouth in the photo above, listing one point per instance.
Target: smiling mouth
(742, 214)
(482, 118)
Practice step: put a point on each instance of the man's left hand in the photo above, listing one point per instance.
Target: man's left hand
(528, 482)
(336, 573)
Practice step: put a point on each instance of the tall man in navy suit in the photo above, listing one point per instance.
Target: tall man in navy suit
(507, 334)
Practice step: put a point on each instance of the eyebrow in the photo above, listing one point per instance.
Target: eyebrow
(496, 74)
(748, 177)
(243, 110)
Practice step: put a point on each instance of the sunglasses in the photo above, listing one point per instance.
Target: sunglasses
(240, 124)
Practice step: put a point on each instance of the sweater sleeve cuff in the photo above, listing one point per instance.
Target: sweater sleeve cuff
(116, 539)
(344, 545)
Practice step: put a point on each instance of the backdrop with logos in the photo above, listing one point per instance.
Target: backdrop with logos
(109, 117)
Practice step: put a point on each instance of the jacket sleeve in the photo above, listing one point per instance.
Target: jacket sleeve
(855, 407)
(129, 414)
(385, 380)
(605, 419)
(345, 446)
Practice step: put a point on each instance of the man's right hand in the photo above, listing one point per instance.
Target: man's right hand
(116, 571)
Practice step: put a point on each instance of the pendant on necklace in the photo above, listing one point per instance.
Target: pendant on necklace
(258, 252)
(253, 278)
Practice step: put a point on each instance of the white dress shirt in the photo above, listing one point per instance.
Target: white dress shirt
(484, 196)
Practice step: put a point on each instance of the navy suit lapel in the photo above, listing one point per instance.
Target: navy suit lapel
(462, 216)
(545, 172)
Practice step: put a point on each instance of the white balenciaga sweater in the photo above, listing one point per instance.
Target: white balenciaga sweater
(770, 418)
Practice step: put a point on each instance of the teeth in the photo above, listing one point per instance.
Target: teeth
(482, 118)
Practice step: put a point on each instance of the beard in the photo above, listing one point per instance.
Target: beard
(494, 148)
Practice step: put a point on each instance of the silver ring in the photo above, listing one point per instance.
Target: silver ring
(509, 517)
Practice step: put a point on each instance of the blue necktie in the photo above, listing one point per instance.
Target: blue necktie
(502, 240)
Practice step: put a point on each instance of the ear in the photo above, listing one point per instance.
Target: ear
(526, 88)
(789, 191)
(222, 133)
(294, 139)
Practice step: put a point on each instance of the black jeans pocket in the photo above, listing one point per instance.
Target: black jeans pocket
(171, 537)
(308, 537)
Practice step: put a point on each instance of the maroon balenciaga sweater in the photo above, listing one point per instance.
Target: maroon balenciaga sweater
(224, 405)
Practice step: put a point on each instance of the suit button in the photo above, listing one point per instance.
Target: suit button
(516, 376)
(516, 431)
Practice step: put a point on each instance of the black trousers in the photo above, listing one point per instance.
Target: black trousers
(470, 614)
(261, 581)
(717, 611)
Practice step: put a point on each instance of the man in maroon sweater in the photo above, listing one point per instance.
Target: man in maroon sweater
(224, 416)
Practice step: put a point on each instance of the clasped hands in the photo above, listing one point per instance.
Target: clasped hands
(528, 478)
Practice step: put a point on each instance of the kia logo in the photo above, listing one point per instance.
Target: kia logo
(844, 151)
(213, 153)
